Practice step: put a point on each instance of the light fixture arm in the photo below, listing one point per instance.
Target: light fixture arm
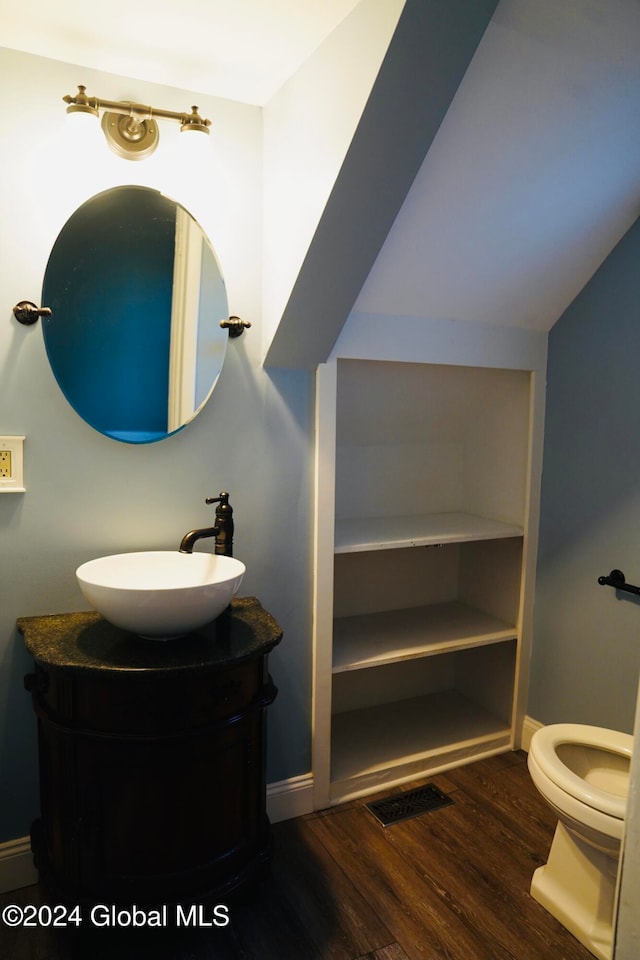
(138, 111)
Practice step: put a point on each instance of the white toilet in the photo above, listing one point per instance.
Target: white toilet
(582, 772)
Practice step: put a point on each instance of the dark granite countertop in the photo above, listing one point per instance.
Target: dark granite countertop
(85, 642)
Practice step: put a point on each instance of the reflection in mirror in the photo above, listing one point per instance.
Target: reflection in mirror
(137, 296)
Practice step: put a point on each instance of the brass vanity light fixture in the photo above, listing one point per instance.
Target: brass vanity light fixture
(130, 128)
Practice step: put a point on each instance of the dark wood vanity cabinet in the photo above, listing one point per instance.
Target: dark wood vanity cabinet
(152, 757)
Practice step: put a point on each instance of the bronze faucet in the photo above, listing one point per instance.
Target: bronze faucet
(223, 530)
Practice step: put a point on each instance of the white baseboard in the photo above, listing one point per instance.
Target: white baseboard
(285, 800)
(16, 865)
(290, 798)
(529, 727)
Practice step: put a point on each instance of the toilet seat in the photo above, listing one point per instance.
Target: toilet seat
(543, 748)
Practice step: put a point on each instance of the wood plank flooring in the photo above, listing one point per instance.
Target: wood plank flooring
(451, 884)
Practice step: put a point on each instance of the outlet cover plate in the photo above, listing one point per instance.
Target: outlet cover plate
(11, 465)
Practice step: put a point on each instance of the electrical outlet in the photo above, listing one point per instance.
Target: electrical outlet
(11, 465)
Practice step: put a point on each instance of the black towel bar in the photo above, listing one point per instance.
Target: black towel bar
(616, 579)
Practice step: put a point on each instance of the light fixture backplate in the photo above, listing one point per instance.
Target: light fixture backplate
(130, 138)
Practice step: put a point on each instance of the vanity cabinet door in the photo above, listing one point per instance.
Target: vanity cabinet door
(152, 791)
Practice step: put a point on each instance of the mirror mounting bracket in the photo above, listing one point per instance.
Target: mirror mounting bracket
(27, 312)
(235, 326)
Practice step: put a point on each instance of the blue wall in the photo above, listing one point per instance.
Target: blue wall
(88, 495)
(586, 645)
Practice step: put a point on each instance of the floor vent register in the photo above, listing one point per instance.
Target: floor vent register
(411, 803)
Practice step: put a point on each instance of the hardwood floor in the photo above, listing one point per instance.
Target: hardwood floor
(451, 884)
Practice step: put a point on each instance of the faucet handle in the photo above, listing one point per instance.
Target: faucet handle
(223, 498)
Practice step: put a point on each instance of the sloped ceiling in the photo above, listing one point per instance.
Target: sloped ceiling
(534, 175)
(530, 181)
(429, 53)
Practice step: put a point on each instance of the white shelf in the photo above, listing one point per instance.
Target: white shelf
(373, 639)
(379, 740)
(387, 533)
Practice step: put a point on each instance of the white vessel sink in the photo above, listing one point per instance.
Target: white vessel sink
(160, 594)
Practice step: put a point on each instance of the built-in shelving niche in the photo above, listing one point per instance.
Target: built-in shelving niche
(431, 469)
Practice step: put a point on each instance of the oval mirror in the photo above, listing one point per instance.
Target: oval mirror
(136, 296)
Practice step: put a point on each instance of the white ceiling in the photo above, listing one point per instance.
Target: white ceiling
(238, 49)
